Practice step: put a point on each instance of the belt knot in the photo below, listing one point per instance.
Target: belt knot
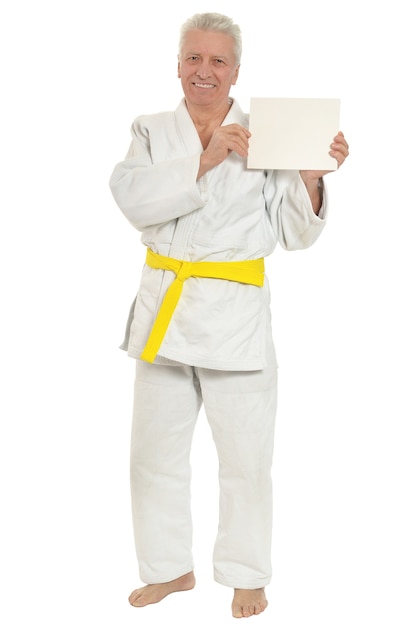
(185, 271)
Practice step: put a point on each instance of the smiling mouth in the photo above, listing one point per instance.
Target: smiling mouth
(204, 85)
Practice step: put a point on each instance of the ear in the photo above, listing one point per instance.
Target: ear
(179, 69)
(236, 74)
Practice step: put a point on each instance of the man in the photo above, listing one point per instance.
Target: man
(200, 326)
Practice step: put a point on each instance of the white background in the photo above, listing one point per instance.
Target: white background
(74, 76)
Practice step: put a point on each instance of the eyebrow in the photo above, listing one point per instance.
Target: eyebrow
(198, 54)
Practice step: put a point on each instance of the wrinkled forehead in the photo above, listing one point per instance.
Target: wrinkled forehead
(208, 43)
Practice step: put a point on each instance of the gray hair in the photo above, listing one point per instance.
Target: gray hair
(215, 22)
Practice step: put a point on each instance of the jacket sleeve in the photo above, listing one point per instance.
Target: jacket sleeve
(293, 220)
(152, 186)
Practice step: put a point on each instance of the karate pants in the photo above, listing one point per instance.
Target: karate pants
(240, 408)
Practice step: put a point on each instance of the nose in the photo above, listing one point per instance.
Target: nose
(203, 70)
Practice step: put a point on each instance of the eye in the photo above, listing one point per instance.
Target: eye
(219, 61)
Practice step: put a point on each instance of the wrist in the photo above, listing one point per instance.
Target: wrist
(311, 183)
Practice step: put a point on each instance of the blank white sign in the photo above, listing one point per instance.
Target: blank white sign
(292, 133)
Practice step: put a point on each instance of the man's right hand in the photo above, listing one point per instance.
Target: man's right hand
(224, 140)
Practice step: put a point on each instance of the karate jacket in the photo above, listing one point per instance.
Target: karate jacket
(229, 214)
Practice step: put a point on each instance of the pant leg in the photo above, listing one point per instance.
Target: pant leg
(241, 408)
(166, 404)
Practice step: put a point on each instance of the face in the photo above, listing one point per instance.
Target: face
(207, 67)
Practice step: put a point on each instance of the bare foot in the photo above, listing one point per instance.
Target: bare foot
(247, 602)
(155, 593)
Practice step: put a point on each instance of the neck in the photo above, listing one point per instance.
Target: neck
(204, 116)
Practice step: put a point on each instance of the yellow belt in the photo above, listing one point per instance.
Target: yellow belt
(249, 272)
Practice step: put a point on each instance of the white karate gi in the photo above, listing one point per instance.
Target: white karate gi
(219, 340)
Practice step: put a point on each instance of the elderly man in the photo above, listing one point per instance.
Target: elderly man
(200, 326)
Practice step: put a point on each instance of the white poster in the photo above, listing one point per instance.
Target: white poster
(292, 133)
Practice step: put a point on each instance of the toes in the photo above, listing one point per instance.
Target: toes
(248, 602)
(259, 609)
(134, 598)
(247, 611)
